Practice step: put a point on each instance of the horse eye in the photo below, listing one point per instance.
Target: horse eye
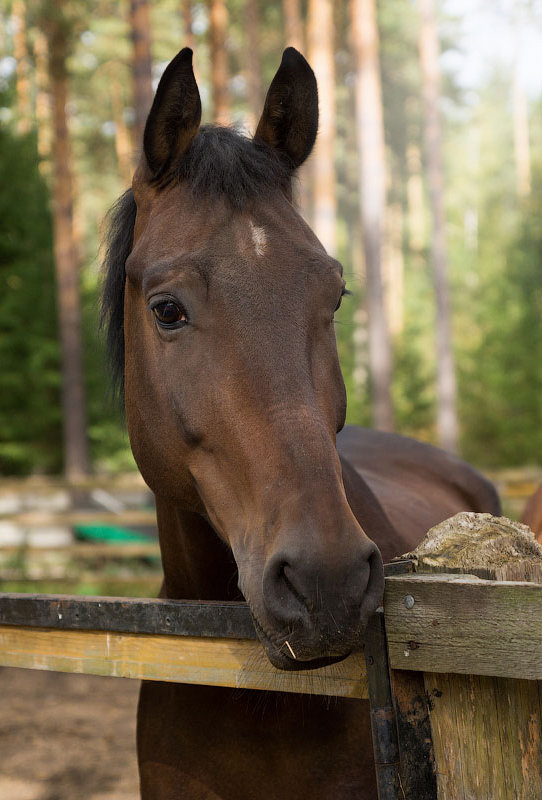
(169, 314)
(343, 293)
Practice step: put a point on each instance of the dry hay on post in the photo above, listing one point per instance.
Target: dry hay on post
(494, 548)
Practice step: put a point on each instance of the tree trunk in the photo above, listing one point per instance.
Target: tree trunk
(372, 193)
(394, 268)
(414, 183)
(321, 52)
(415, 198)
(76, 463)
(447, 423)
(218, 29)
(43, 102)
(123, 146)
(186, 16)
(140, 31)
(293, 37)
(22, 74)
(254, 68)
(293, 26)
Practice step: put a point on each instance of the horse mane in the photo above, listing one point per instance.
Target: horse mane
(220, 162)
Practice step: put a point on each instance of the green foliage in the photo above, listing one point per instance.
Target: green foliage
(495, 242)
(29, 360)
(502, 374)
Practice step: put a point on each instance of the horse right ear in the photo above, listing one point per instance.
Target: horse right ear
(175, 116)
(289, 121)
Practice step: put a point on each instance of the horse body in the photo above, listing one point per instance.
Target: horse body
(532, 514)
(219, 301)
(221, 744)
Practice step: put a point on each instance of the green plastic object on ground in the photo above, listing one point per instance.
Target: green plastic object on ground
(110, 533)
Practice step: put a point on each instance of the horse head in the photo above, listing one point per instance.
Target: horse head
(233, 389)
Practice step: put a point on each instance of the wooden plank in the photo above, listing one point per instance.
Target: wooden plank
(37, 519)
(462, 624)
(85, 551)
(418, 774)
(486, 730)
(401, 566)
(383, 721)
(129, 615)
(486, 737)
(217, 662)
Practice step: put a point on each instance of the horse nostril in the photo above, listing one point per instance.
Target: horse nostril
(284, 576)
(281, 596)
(297, 590)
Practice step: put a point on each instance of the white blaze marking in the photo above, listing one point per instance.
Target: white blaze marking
(259, 239)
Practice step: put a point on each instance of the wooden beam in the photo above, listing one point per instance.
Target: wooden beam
(86, 552)
(485, 730)
(37, 519)
(128, 615)
(235, 663)
(463, 624)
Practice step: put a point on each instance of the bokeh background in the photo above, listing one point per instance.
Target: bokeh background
(426, 182)
(456, 84)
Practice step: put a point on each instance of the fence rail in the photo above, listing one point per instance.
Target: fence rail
(452, 665)
(434, 623)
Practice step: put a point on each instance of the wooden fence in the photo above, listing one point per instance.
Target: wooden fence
(452, 665)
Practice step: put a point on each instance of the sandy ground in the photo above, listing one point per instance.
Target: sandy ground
(67, 737)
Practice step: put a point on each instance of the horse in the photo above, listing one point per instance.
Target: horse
(532, 513)
(219, 303)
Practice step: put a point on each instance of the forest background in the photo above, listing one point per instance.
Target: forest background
(427, 186)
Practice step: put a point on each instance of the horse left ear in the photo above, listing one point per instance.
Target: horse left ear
(289, 121)
(175, 116)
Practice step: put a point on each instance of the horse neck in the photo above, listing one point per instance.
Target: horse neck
(197, 564)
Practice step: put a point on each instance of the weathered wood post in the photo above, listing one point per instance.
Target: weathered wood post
(465, 647)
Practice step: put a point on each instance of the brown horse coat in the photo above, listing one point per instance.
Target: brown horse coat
(532, 514)
(219, 303)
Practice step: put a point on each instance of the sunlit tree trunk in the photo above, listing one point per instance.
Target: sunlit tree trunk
(140, 31)
(372, 192)
(321, 53)
(415, 198)
(293, 37)
(254, 67)
(447, 423)
(415, 193)
(186, 16)
(293, 25)
(43, 101)
(76, 463)
(22, 69)
(123, 147)
(394, 268)
(218, 30)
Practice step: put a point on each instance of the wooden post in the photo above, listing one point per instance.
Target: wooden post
(383, 722)
(486, 724)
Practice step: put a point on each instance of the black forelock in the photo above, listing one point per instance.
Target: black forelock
(118, 245)
(220, 162)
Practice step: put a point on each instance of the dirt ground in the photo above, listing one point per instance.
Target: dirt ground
(67, 737)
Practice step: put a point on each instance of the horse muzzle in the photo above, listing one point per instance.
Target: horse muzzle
(312, 613)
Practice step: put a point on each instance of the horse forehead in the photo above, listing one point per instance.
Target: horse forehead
(266, 239)
(259, 238)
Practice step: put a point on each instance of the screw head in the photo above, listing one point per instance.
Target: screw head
(409, 601)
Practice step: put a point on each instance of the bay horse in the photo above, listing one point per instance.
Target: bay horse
(532, 513)
(219, 303)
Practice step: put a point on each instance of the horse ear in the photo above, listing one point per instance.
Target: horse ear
(175, 115)
(289, 121)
